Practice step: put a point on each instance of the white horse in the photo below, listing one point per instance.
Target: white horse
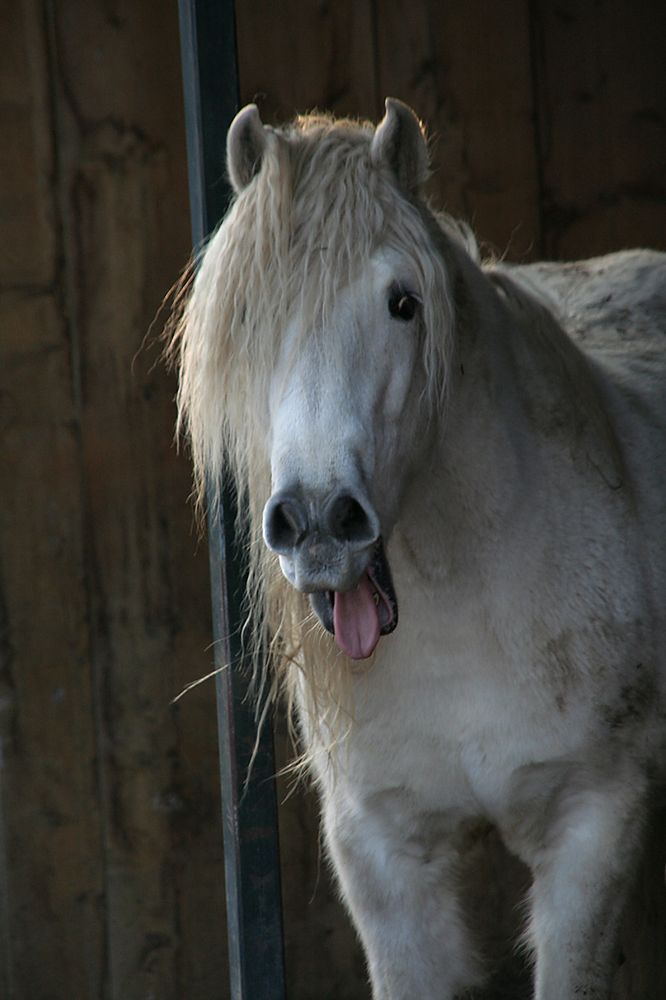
(481, 447)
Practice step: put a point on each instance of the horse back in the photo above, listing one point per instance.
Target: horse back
(614, 309)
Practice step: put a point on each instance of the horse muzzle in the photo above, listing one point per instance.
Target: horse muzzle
(334, 552)
(322, 544)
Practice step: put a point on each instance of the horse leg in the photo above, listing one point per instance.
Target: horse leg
(581, 881)
(403, 902)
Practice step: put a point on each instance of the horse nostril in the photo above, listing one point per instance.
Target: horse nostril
(349, 521)
(285, 524)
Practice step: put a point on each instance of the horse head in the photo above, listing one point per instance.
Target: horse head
(314, 349)
(346, 404)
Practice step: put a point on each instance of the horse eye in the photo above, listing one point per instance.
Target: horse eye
(402, 305)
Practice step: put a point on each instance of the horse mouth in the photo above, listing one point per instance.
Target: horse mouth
(358, 618)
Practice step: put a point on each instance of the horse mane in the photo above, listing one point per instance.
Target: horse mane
(293, 237)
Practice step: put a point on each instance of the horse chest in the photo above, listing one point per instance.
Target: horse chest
(448, 745)
(453, 738)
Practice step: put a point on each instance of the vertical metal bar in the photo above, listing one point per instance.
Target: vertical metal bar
(251, 849)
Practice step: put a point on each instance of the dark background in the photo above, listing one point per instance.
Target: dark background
(549, 136)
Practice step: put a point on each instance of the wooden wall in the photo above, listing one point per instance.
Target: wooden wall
(111, 861)
(549, 135)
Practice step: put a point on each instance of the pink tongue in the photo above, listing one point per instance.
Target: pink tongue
(356, 620)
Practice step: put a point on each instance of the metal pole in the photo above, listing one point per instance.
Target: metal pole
(251, 849)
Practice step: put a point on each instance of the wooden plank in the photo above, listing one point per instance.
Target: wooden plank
(52, 862)
(296, 56)
(602, 113)
(26, 201)
(51, 912)
(466, 70)
(116, 83)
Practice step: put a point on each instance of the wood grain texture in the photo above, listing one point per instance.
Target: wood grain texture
(466, 70)
(296, 56)
(28, 254)
(126, 226)
(601, 96)
(52, 863)
(112, 869)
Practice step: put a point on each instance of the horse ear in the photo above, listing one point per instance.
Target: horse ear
(246, 141)
(399, 142)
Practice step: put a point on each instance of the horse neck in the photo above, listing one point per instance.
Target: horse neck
(523, 401)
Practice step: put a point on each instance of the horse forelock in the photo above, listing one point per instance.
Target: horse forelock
(300, 231)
